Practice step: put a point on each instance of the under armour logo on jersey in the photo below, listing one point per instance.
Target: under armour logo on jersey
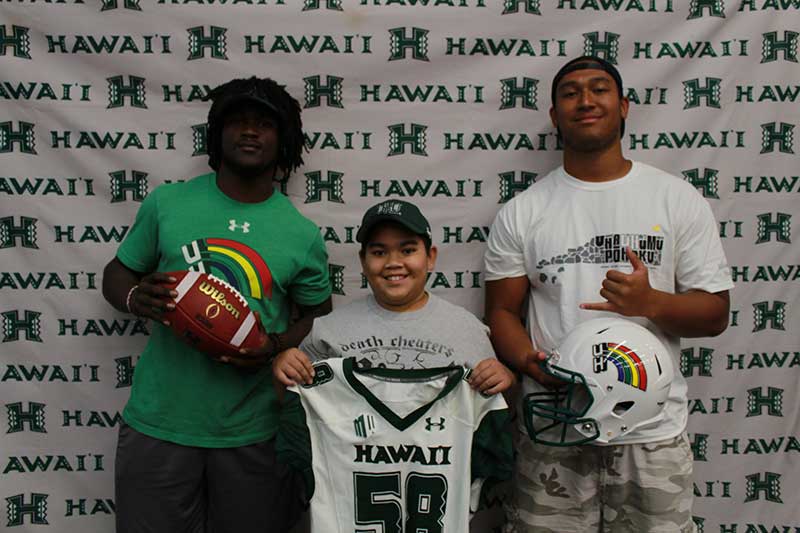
(430, 424)
(364, 425)
(233, 226)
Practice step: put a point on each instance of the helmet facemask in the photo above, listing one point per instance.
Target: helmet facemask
(553, 417)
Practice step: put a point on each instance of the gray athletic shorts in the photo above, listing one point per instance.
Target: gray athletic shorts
(608, 489)
(164, 487)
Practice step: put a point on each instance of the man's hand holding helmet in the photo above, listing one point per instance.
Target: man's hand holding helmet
(533, 367)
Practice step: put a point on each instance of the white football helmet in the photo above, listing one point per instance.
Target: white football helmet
(617, 378)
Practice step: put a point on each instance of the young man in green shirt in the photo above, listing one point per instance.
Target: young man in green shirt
(196, 450)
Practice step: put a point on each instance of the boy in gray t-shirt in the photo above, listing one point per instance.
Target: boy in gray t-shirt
(398, 325)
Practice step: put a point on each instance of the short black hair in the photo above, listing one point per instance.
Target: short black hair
(291, 141)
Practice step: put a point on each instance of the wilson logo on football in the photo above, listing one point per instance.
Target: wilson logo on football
(216, 295)
(212, 311)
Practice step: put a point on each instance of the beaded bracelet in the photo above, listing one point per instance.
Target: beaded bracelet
(128, 299)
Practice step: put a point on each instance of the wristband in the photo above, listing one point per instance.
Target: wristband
(128, 299)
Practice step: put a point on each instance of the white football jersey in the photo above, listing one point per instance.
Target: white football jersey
(393, 451)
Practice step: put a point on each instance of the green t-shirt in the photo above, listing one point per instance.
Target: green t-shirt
(267, 250)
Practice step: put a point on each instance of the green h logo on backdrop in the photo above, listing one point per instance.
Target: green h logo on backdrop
(700, 524)
(118, 92)
(607, 48)
(772, 401)
(335, 5)
(401, 42)
(331, 91)
(699, 446)
(700, 362)
(315, 185)
(708, 184)
(771, 45)
(511, 93)
(763, 315)
(282, 184)
(133, 5)
(121, 186)
(17, 509)
(199, 139)
(16, 39)
(770, 136)
(399, 138)
(768, 487)
(24, 137)
(199, 42)
(336, 275)
(31, 326)
(714, 8)
(780, 227)
(25, 233)
(513, 6)
(510, 184)
(693, 92)
(18, 417)
(124, 369)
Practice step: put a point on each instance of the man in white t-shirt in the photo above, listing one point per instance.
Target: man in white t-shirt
(603, 236)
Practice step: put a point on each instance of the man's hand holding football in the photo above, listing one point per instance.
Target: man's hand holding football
(151, 299)
(255, 358)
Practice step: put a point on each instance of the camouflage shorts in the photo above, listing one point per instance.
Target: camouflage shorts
(608, 489)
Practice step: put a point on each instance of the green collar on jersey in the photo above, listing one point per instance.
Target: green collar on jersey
(454, 373)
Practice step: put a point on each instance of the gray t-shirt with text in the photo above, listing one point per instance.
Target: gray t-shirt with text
(439, 334)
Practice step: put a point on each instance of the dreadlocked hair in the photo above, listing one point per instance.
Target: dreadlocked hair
(290, 138)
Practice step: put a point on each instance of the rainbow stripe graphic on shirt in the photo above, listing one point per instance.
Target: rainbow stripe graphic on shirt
(234, 262)
(630, 368)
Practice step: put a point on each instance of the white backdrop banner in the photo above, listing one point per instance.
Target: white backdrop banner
(440, 102)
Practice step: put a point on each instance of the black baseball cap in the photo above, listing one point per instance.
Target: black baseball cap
(406, 214)
(249, 95)
(583, 63)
